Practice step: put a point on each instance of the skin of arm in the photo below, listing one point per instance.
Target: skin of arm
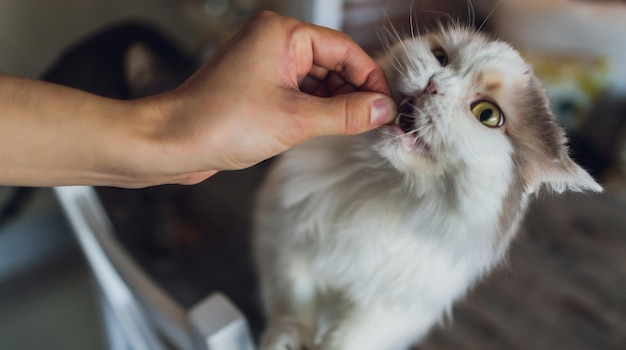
(277, 83)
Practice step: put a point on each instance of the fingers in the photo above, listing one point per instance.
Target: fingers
(332, 84)
(314, 87)
(337, 85)
(350, 113)
(317, 50)
(339, 53)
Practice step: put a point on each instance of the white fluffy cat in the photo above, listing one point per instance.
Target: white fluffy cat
(378, 234)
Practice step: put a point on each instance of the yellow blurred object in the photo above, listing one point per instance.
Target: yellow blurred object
(573, 84)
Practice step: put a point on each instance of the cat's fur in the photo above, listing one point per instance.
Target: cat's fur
(378, 234)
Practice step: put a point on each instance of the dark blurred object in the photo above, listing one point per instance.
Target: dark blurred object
(596, 145)
(99, 64)
(13, 201)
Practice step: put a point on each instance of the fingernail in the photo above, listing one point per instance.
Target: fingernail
(382, 111)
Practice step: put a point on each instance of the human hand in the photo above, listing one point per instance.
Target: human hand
(277, 83)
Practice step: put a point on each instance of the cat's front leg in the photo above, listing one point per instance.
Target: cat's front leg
(285, 334)
(377, 327)
(291, 301)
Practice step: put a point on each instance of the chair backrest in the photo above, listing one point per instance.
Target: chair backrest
(143, 311)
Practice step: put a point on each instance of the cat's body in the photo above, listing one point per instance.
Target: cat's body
(385, 230)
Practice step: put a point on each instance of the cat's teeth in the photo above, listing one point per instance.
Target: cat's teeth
(397, 120)
(405, 100)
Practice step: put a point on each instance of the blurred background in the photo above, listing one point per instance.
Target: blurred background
(563, 286)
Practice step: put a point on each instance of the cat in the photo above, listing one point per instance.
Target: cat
(365, 242)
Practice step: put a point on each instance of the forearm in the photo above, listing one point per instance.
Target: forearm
(53, 135)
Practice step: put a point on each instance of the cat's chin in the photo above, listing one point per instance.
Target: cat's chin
(407, 142)
(406, 152)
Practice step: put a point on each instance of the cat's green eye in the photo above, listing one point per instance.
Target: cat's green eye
(488, 113)
(441, 56)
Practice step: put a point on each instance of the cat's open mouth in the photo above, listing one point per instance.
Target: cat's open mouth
(404, 124)
(405, 119)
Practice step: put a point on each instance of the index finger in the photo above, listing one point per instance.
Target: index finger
(337, 52)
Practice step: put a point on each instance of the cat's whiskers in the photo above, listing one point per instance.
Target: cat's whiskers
(392, 33)
(489, 15)
(471, 13)
(427, 126)
(423, 128)
(418, 130)
(384, 35)
(439, 23)
(411, 24)
(390, 137)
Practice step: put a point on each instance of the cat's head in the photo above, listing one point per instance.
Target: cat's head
(471, 106)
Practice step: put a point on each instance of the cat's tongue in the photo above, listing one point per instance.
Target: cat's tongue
(405, 124)
(401, 127)
(405, 119)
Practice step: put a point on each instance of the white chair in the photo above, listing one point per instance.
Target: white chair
(139, 314)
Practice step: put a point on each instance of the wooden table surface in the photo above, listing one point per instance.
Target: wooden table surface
(563, 286)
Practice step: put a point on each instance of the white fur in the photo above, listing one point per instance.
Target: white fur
(384, 235)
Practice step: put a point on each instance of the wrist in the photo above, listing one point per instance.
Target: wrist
(144, 152)
(118, 144)
(162, 138)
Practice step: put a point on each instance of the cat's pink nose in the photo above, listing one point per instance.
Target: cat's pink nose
(432, 87)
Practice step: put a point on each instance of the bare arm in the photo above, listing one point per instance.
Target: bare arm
(53, 135)
(277, 83)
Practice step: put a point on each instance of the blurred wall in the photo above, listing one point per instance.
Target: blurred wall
(33, 32)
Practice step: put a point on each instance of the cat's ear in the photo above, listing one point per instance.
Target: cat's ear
(553, 169)
(542, 147)
(564, 174)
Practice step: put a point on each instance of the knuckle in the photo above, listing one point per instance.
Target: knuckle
(298, 30)
(301, 126)
(351, 115)
(264, 15)
(264, 20)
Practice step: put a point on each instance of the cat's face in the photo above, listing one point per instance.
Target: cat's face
(471, 105)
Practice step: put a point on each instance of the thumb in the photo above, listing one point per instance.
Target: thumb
(350, 113)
